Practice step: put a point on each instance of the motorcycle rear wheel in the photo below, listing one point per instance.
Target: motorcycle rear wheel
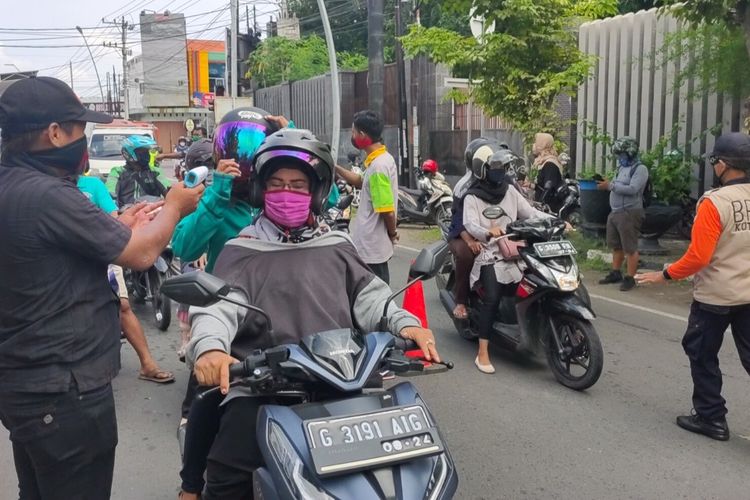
(160, 303)
(581, 348)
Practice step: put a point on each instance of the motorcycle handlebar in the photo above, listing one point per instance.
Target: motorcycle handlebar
(405, 344)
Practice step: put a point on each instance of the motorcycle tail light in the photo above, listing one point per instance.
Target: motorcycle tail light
(525, 289)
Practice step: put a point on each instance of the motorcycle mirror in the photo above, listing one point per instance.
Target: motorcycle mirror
(352, 156)
(493, 212)
(195, 289)
(429, 261)
(345, 202)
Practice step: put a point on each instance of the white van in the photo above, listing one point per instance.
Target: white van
(105, 143)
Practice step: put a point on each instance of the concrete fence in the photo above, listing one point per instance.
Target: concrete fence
(632, 92)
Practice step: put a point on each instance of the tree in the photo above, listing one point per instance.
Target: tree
(279, 59)
(531, 57)
(728, 14)
(636, 5)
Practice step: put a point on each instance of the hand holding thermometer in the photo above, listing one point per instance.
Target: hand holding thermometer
(196, 176)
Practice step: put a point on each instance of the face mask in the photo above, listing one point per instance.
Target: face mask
(196, 138)
(72, 157)
(360, 142)
(288, 209)
(496, 176)
(623, 160)
(718, 177)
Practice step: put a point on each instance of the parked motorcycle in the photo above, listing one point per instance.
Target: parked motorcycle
(551, 309)
(355, 166)
(145, 286)
(430, 203)
(338, 217)
(335, 431)
(564, 202)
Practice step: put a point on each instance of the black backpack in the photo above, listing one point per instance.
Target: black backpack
(648, 190)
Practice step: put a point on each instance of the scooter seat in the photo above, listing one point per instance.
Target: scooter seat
(413, 192)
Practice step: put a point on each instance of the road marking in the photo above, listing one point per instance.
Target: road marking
(675, 317)
(415, 250)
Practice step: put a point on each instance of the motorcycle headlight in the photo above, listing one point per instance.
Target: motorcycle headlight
(292, 466)
(567, 283)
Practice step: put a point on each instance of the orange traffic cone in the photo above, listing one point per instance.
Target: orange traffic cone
(415, 304)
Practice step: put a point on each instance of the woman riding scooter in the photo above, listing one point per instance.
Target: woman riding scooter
(496, 275)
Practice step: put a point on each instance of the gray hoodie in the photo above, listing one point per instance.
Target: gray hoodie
(313, 286)
(626, 191)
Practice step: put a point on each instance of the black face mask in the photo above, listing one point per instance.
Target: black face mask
(496, 176)
(71, 158)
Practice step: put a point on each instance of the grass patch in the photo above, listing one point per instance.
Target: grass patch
(583, 245)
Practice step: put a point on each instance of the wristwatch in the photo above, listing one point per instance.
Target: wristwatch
(666, 275)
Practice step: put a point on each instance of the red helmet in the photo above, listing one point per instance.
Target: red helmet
(430, 167)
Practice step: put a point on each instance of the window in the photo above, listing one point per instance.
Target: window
(215, 76)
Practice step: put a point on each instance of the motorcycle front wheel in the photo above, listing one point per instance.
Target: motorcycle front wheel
(160, 303)
(580, 364)
(443, 216)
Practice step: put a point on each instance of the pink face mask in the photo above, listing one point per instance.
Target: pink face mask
(286, 208)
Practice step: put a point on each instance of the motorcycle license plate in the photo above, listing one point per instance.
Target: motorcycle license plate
(550, 249)
(346, 444)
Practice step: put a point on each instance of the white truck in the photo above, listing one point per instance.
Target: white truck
(105, 143)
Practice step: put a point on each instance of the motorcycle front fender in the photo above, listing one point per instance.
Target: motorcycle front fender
(570, 305)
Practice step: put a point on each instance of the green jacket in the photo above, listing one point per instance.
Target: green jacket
(217, 220)
(127, 185)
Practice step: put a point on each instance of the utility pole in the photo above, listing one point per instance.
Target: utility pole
(335, 89)
(115, 92)
(109, 94)
(71, 75)
(234, 6)
(247, 17)
(124, 27)
(376, 67)
(255, 21)
(403, 129)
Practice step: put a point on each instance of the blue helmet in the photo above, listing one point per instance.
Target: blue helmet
(136, 149)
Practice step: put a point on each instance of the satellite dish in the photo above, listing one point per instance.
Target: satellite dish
(478, 27)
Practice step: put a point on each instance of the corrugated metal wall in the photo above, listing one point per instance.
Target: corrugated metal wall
(633, 91)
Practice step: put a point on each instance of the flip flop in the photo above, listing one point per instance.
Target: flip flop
(158, 376)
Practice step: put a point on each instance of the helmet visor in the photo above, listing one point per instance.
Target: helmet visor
(294, 157)
(239, 140)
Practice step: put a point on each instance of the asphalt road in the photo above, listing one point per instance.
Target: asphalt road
(514, 434)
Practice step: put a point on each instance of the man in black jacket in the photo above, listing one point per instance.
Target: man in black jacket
(59, 326)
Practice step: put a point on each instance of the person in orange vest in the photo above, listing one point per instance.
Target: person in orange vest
(717, 257)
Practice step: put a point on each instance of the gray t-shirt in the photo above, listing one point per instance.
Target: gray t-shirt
(379, 195)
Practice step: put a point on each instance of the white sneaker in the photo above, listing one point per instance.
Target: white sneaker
(489, 369)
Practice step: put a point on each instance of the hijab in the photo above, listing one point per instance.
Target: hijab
(544, 148)
(491, 193)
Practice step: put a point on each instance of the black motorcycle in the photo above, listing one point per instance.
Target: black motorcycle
(333, 430)
(338, 216)
(551, 309)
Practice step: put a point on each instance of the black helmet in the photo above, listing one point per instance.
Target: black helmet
(200, 153)
(493, 157)
(303, 148)
(471, 149)
(238, 136)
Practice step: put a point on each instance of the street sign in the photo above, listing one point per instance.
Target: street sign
(189, 125)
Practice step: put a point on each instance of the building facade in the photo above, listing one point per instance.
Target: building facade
(206, 69)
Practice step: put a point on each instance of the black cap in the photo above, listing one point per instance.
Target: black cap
(33, 103)
(732, 146)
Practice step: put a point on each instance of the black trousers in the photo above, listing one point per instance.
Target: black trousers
(702, 341)
(235, 453)
(493, 293)
(63, 443)
(381, 271)
(202, 426)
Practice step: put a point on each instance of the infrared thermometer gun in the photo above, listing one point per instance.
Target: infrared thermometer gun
(196, 176)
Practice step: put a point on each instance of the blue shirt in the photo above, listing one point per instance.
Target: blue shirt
(97, 193)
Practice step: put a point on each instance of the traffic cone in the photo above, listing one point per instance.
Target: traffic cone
(415, 304)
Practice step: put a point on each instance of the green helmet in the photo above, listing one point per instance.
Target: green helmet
(626, 145)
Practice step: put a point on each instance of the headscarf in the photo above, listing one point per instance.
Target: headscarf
(463, 184)
(544, 147)
(491, 193)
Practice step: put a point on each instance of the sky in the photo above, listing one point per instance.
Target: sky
(44, 37)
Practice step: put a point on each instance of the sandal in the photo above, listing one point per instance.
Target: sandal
(460, 312)
(157, 376)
